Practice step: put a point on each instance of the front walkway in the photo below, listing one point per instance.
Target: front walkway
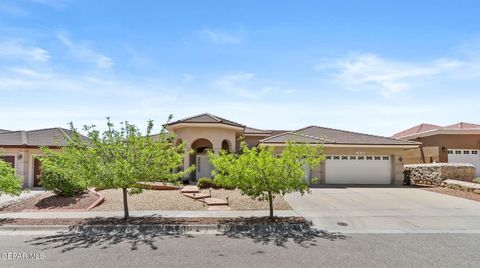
(386, 210)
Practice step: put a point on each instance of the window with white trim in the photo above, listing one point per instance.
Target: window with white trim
(352, 157)
(344, 157)
(474, 152)
(336, 157)
(450, 151)
(458, 152)
(386, 157)
(466, 152)
(377, 158)
(369, 157)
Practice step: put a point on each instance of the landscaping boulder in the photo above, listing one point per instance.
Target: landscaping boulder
(436, 173)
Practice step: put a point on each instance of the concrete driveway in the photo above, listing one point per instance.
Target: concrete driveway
(387, 210)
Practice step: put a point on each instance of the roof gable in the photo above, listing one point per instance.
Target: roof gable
(207, 118)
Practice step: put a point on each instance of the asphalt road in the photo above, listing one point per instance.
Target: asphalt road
(245, 250)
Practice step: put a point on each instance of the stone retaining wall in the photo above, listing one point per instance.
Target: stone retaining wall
(435, 174)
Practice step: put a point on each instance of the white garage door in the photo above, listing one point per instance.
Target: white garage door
(354, 169)
(465, 156)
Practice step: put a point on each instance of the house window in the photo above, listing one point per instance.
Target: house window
(466, 152)
(329, 157)
(361, 157)
(353, 157)
(369, 157)
(386, 158)
(344, 157)
(450, 151)
(377, 158)
(474, 152)
(458, 152)
(336, 157)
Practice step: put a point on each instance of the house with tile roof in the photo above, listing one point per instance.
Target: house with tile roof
(352, 158)
(457, 143)
(22, 148)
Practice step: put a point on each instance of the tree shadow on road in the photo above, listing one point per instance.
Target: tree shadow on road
(303, 235)
(104, 238)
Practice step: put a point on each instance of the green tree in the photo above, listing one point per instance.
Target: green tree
(10, 183)
(120, 159)
(262, 174)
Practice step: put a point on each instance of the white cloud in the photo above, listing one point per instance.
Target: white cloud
(17, 50)
(219, 36)
(243, 84)
(83, 51)
(371, 72)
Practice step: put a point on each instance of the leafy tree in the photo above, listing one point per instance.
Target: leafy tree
(120, 159)
(261, 173)
(10, 183)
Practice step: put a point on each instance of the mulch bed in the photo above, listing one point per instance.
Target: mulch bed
(156, 221)
(51, 202)
(449, 191)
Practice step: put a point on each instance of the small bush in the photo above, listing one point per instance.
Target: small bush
(60, 185)
(204, 183)
(57, 177)
(476, 180)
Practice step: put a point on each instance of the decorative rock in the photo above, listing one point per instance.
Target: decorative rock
(437, 173)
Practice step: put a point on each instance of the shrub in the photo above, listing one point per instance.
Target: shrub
(10, 183)
(60, 185)
(204, 183)
(56, 177)
(476, 180)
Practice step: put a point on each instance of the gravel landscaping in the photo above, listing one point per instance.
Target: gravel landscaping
(49, 201)
(174, 200)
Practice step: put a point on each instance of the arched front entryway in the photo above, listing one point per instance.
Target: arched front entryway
(203, 168)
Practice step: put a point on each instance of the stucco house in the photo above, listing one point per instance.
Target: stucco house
(352, 158)
(22, 149)
(458, 143)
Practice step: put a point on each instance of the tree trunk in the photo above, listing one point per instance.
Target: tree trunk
(125, 204)
(270, 203)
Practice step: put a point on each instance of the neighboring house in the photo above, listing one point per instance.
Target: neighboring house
(22, 149)
(458, 143)
(352, 158)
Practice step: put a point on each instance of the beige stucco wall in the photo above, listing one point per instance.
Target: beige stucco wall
(443, 142)
(23, 162)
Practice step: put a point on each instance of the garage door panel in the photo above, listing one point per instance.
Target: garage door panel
(348, 169)
(467, 156)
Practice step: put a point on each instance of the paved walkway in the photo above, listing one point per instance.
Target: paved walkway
(8, 199)
(387, 210)
(186, 214)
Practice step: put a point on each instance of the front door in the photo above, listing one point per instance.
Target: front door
(37, 170)
(204, 168)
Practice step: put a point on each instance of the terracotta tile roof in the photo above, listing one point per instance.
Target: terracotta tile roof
(422, 128)
(316, 134)
(206, 118)
(463, 125)
(39, 137)
(415, 130)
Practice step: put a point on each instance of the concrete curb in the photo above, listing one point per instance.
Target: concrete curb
(159, 228)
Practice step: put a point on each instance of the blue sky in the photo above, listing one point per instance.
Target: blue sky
(367, 66)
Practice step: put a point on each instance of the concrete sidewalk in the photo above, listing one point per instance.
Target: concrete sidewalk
(183, 214)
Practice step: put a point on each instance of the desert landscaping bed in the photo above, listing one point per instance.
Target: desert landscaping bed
(174, 200)
(449, 191)
(48, 201)
(156, 221)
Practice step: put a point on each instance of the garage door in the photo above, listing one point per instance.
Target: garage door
(354, 169)
(465, 156)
